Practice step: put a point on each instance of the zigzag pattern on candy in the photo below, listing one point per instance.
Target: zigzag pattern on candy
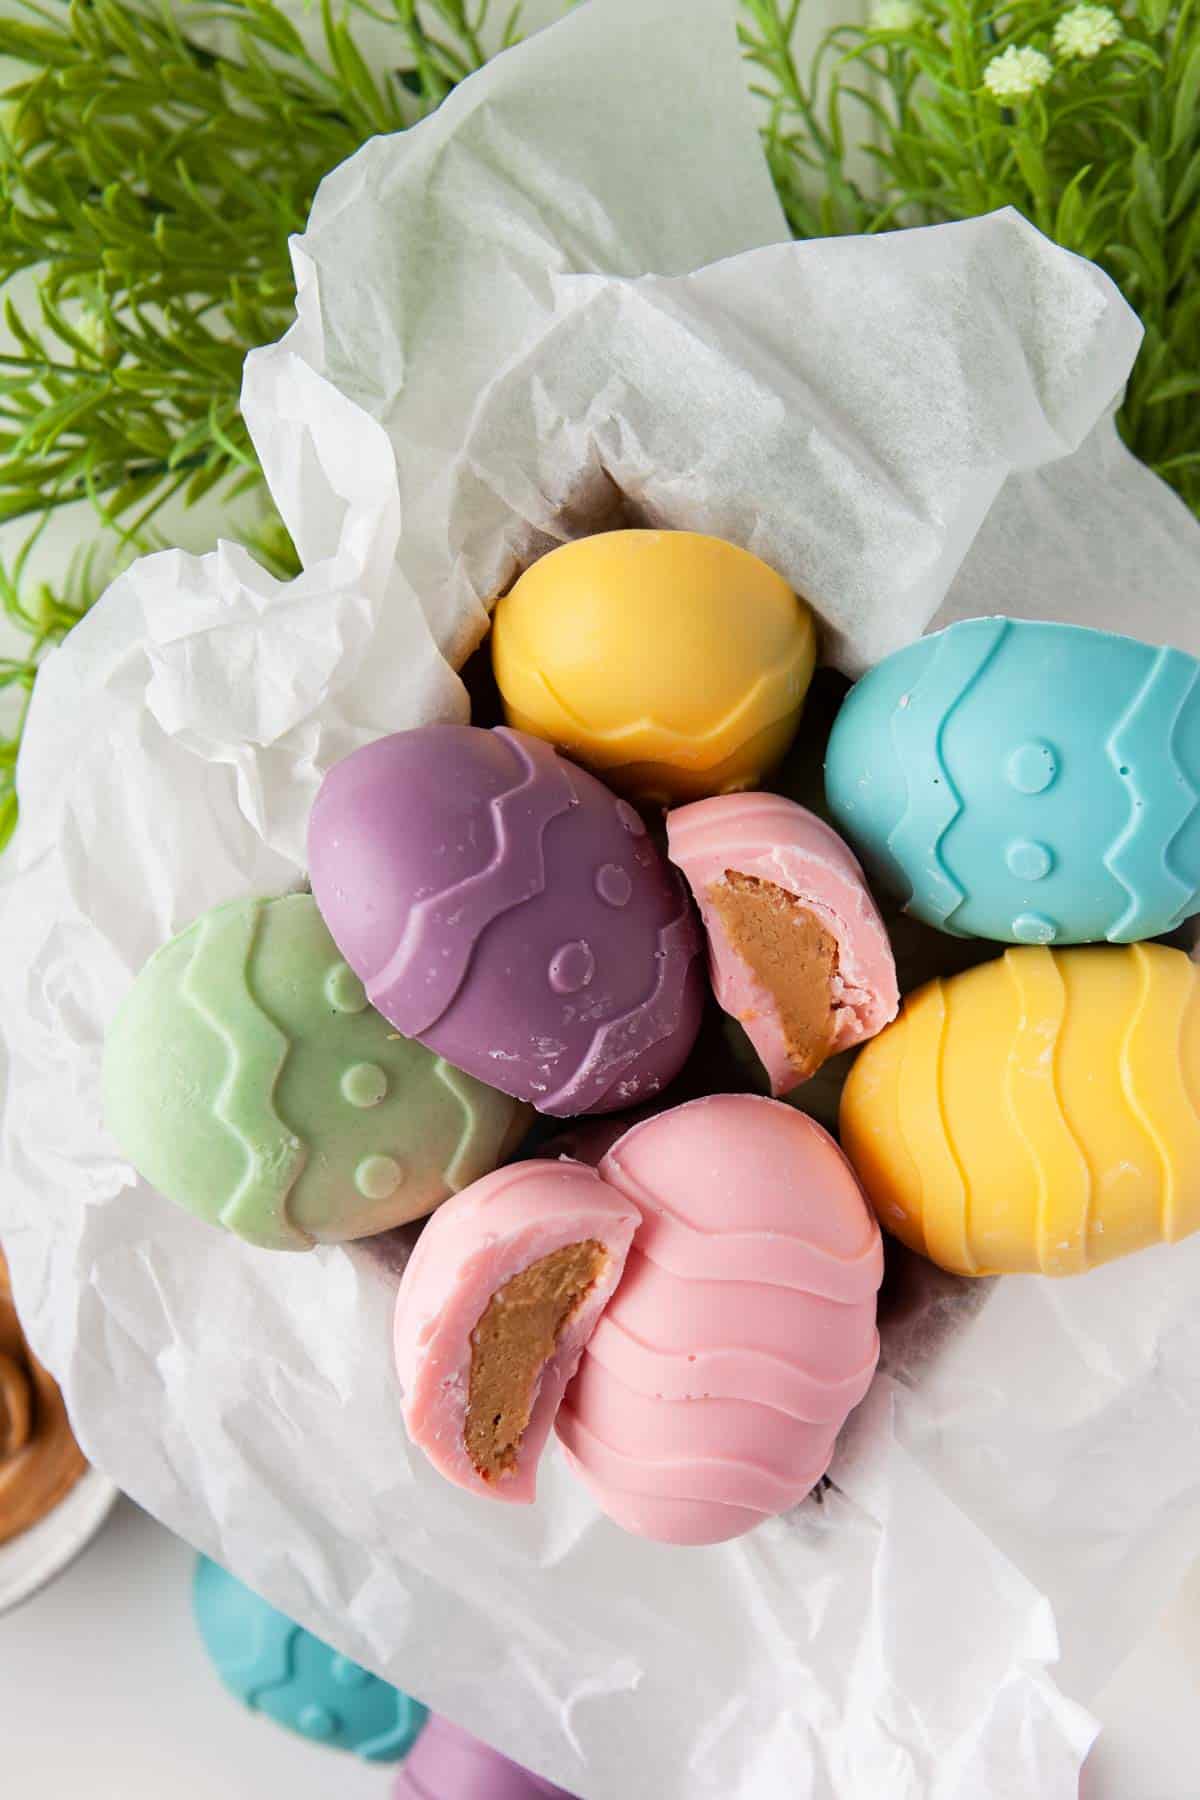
(541, 792)
(1093, 1056)
(216, 985)
(1163, 1092)
(1144, 738)
(470, 1158)
(765, 704)
(620, 1041)
(1033, 1096)
(673, 663)
(1027, 782)
(943, 684)
(510, 913)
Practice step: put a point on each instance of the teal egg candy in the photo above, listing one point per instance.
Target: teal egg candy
(275, 1667)
(1025, 782)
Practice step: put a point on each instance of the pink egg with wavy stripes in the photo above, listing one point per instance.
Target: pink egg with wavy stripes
(797, 950)
(712, 1390)
(498, 1299)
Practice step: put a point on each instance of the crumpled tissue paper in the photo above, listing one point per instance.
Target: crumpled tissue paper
(563, 302)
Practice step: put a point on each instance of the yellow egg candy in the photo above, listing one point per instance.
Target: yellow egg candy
(674, 665)
(1038, 1114)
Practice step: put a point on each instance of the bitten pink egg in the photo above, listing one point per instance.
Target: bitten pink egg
(501, 1294)
(743, 1331)
(797, 949)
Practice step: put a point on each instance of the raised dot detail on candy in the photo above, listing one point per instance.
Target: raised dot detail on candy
(378, 1177)
(1029, 861)
(1034, 928)
(343, 990)
(631, 819)
(364, 1084)
(348, 1674)
(572, 967)
(316, 1721)
(613, 884)
(1033, 767)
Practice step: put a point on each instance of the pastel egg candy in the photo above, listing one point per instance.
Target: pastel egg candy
(503, 907)
(503, 1289)
(247, 1078)
(797, 950)
(1037, 1114)
(1031, 783)
(743, 1332)
(449, 1764)
(673, 664)
(279, 1670)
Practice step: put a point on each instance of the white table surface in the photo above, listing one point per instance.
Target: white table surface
(147, 1719)
(106, 1692)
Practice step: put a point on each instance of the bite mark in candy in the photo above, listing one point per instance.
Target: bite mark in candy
(797, 949)
(511, 1345)
(502, 1292)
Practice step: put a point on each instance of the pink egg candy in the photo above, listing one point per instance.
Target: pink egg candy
(447, 1763)
(502, 1291)
(798, 952)
(712, 1389)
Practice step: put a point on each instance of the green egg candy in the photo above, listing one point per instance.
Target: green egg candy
(247, 1078)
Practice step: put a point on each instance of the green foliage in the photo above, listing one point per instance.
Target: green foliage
(154, 159)
(155, 155)
(1090, 127)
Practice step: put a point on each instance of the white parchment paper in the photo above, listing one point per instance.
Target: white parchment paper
(565, 301)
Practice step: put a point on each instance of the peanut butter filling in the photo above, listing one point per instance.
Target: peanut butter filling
(514, 1339)
(790, 953)
(39, 1459)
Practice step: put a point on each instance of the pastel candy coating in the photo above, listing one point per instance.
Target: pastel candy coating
(473, 1246)
(776, 841)
(275, 1667)
(673, 664)
(743, 1332)
(248, 1080)
(1038, 1113)
(504, 908)
(1027, 782)
(449, 1764)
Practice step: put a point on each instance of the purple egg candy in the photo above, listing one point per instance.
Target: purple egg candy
(446, 1763)
(502, 906)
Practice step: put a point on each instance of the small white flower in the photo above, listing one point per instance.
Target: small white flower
(1086, 31)
(895, 15)
(92, 327)
(1015, 74)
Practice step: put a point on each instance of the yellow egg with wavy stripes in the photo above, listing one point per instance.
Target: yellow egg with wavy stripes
(674, 665)
(1038, 1114)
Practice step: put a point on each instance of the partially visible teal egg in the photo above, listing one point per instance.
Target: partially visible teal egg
(275, 1667)
(1025, 782)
